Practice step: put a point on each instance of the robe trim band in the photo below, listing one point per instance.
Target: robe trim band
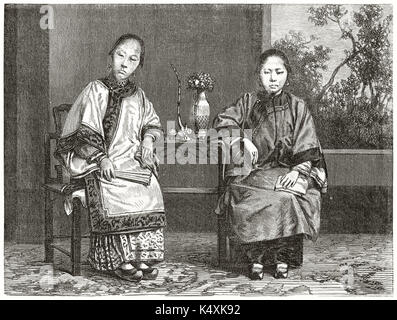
(102, 224)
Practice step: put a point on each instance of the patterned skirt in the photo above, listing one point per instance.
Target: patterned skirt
(108, 252)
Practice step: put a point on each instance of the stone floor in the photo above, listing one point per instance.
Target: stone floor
(341, 265)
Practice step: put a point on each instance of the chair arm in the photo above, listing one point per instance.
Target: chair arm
(65, 188)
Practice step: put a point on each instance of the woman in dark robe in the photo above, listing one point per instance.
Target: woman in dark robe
(274, 200)
(107, 141)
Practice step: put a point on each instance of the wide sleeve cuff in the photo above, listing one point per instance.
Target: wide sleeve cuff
(96, 157)
(88, 144)
(153, 131)
(303, 168)
(314, 155)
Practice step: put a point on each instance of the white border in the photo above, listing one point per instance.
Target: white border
(162, 297)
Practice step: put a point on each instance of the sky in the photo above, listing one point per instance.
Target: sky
(286, 17)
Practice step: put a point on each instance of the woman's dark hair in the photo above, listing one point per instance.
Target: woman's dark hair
(126, 37)
(274, 53)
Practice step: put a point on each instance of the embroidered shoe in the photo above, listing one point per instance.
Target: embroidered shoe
(132, 275)
(255, 271)
(281, 271)
(150, 273)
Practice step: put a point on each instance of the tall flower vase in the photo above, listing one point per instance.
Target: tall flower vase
(201, 111)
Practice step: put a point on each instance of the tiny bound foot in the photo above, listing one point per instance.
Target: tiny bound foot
(149, 273)
(255, 271)
(281, 271)
(127, 266)
(129, 274)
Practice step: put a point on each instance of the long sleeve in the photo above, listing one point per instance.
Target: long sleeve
(81, 145)
(308, 156)
(303, 168)
(232, 117)
(90, 153)
(306, 146)
(231, 124)
(151, 122)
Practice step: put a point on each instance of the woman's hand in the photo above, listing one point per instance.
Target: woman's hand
(147, 148)
(107, 169)
(251, 149)
(289, 179)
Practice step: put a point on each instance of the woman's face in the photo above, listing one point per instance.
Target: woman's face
(273, 74)
(126, 59)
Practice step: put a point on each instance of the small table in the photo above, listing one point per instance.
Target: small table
(203, 156)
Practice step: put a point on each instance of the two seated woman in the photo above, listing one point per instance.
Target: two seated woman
(111, 129)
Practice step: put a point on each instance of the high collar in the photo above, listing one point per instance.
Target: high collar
(114, 83)
(119, 88)
(279, 99)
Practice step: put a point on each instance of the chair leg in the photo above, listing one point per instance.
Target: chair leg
(222, 242)
(76, 238)
(48, 229)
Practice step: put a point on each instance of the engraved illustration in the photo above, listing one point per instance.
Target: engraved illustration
(195, 150)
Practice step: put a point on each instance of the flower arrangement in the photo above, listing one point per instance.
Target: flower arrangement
(200, 81)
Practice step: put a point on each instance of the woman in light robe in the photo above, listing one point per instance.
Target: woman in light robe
(268, 225)
(107, 140)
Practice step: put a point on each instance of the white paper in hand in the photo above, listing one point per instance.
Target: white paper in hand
(299, 188)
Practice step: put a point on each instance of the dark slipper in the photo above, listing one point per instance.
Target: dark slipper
(281, 272)
(255, 271)
(132, 275)
(150, 273)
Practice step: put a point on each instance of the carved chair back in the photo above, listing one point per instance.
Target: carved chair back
(59, 114)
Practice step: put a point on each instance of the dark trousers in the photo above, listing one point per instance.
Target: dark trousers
(283, 250)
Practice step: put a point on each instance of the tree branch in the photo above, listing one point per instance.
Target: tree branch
(383, 99)
(371, 89)
(363, 90)
(347, 59)
(354, 42)
(333, 75)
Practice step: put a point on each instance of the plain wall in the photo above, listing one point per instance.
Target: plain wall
(26, 101)
(224, 40)
(10, 119)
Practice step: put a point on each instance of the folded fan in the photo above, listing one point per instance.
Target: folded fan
(142, 177)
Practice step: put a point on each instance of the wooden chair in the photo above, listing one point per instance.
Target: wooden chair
(223, 241)
(229, 253)
(56, 187)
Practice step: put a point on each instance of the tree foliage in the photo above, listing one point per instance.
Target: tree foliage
(353, 112)
(306, 63)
